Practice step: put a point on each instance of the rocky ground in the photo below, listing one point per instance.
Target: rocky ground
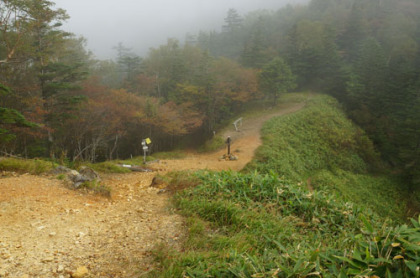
(50, 230)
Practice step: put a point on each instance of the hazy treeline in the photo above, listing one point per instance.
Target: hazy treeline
(365, 53)
(57, 101)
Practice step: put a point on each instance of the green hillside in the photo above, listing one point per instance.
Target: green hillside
(320, 148)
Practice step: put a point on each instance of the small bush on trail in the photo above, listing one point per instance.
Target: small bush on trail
(95, 187)
(61, 177)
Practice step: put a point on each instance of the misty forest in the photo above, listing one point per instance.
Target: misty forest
(59, 103)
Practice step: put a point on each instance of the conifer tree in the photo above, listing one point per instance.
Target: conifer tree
(276, 78)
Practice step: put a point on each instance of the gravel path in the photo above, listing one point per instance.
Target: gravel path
(49, 230)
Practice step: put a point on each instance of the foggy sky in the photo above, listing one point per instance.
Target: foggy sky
(141, 24)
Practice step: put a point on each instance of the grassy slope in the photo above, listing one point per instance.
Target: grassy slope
(253, 225)
(320, 147)
(262, 225)
(32, 166)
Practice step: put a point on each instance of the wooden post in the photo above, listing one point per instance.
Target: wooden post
(228, 141)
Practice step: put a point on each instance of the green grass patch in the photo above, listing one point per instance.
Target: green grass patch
(61, 177)
(321, 147)
(252, 225)
(315, 138)
(213, 144)
(95, 187)
(381, 193)
(32, 166)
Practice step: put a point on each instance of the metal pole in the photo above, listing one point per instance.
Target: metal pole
(143, 143)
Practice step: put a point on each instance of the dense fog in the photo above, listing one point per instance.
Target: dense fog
(143, 24)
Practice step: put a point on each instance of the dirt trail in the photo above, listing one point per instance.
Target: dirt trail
(48, 230)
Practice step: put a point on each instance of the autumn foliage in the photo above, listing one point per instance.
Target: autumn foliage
(65, 104)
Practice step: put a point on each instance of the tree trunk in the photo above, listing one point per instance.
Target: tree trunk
(114, 147)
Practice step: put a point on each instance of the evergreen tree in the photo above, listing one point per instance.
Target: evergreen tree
(255, 48)
(10, 118)
(131, 66)
(357, 29)
(233, 21)
(276, 78)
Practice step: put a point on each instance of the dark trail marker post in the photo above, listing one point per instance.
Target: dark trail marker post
(228, 141)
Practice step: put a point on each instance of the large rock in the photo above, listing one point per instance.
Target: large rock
(85, 174)
(77, 178)
(61, 170)
(89, 173)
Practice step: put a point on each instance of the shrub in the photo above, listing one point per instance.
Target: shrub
(214, 144)
(95, 187)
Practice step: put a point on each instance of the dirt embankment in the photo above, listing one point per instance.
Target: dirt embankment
(48, 230)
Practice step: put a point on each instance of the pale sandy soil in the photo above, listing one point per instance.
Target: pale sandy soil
(49, 230)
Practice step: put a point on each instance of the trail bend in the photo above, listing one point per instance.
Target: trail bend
(48, 230)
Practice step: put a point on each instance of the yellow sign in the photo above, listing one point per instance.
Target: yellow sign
(148, 141)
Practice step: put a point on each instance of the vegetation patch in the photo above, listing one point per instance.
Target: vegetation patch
(289, 215)
(320, 148)
(61, 177)
(179, 180)
(108, 167)
(96, 188)
(252, 225)
(315, 138)
(382, 193)
(32, 166)
(213, 144)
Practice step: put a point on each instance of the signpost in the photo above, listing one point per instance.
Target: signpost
(144, 143)
(229, 156)
(228, 141)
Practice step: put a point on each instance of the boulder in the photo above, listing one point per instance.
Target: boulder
(89, 173)
(77, 178)
(61, 170)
